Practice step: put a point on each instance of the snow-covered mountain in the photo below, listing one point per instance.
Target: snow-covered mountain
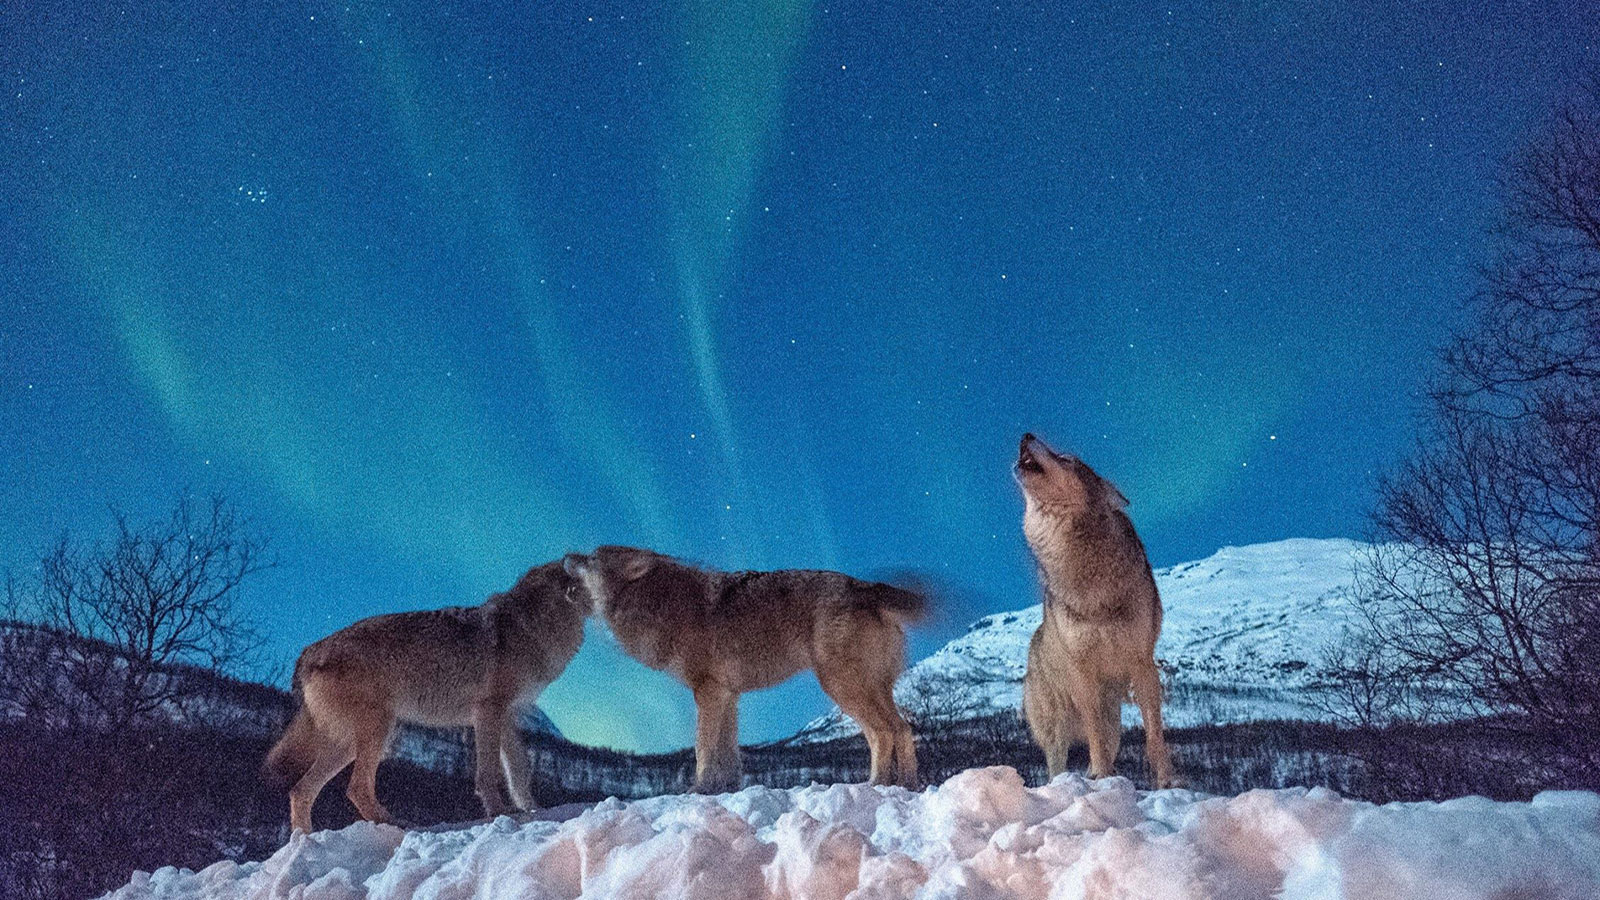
(1243, 633)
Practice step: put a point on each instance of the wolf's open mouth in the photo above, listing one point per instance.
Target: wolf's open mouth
(1025, 460)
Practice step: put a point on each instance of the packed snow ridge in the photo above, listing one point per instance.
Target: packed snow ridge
(1243, 636)
(980, 834)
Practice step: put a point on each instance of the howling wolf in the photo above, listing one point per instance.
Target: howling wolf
(460, 666)
(724, 633)
(1102, 616)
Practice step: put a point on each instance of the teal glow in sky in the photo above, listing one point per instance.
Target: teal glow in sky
(439, 292)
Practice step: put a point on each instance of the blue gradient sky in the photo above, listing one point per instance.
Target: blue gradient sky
(441, 291)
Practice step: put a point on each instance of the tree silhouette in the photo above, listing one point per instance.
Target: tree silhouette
(1485, 587)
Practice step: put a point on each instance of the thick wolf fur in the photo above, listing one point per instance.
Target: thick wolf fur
(469, 665)
(1102, 616)
(724, 633)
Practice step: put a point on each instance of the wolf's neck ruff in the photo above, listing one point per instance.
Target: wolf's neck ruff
(1075, 552)
(1071, 607)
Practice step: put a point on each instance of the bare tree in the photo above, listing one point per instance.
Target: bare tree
(115, 622)
(1486, 587)
(939, 703)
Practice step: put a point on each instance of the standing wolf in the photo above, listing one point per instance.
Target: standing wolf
(469, 665)
(1102, 616)
(724, 633)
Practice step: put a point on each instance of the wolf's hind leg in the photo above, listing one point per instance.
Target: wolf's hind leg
(885, 730)
(331, 758)
(905, 751)
(902, 743)
(894, 757)
(371, 740)
(1111, 698)
(879, 732)
(857, 656)
(1147, 693)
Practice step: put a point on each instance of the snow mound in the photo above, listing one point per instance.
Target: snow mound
(980, 834)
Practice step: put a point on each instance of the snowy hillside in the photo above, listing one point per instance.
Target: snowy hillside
(1242, 634)
(980, 834)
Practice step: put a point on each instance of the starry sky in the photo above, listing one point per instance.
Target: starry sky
(439, 291)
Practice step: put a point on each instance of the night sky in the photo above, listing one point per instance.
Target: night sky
(439, 291)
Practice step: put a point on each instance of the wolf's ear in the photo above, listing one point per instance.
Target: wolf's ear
(1112, 497)
(637, 567)
(572, 564)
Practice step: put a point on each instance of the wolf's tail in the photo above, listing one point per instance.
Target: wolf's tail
(294, 753)
(906, 605)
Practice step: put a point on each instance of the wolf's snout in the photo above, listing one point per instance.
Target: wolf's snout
(1025, 458)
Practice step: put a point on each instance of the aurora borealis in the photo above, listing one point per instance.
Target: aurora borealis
(438, 292)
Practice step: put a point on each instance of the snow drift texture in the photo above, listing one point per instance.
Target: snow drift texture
(980, 834)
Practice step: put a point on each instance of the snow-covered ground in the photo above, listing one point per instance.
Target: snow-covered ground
(1243, 635)
(981, 834)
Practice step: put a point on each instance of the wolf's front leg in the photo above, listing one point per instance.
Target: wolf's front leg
(1050, 718)
(519, 774)
(489, 720)
(1147, 693)
(716, 746)
(1087, 698)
